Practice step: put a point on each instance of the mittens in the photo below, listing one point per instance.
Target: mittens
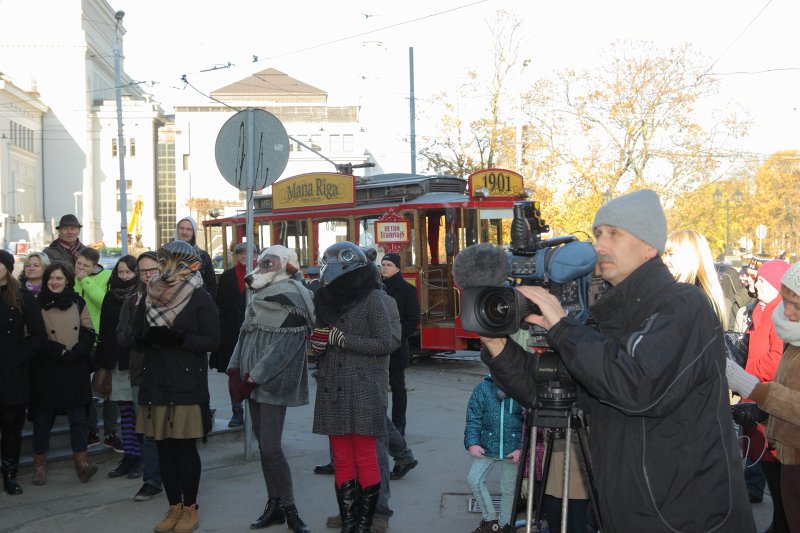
(336, 337)
(319, 340)
(162, 336)
(239, 389)
(739, 381)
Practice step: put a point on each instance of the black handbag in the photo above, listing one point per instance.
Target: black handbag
(736, 346)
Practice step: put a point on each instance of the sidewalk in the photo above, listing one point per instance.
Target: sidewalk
(432, 497)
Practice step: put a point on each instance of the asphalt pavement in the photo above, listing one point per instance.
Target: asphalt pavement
(432, 497)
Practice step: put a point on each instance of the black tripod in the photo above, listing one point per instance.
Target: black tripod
(554, 411)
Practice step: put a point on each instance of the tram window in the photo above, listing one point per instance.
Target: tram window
(468, 231)
(330, 232)
(366, 236)
(264, 232)
(293, 234)
(495, 225)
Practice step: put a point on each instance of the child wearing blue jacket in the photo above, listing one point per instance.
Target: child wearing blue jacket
(492, 434)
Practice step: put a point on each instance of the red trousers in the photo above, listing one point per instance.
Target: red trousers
(355, 457)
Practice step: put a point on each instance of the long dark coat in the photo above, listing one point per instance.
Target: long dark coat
(231, 304)
(61, 381)
(179, 374)
(109, 353)
(18, 348)
(407, 300)
(349, 398)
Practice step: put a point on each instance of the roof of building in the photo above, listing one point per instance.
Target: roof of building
(271, 85)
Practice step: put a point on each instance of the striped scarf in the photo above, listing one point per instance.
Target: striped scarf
(165, 300)
(71, 249)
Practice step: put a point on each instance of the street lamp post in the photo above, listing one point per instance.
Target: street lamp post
(737, 198)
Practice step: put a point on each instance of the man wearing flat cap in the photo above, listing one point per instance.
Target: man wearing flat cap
(67, 246)
(651, 377)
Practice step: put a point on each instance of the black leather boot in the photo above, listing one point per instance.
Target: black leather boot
(347, 496)
(122, 468)
(293, 521)
(273, 514)
(10, 485)
(367, 502)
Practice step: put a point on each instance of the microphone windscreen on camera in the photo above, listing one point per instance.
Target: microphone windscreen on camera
(481, 265)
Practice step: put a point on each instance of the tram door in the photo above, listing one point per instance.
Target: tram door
(438, 302)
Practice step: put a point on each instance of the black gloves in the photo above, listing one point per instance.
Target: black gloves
(160, 336)
(55, 349)
(748, 415)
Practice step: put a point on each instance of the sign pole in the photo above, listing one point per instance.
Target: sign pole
(250, 180)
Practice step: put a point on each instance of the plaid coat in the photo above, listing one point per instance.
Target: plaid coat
(349, 396)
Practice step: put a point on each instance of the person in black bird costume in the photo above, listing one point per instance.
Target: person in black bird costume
(353, 330)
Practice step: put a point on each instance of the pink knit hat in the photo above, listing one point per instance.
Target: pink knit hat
(773, 271)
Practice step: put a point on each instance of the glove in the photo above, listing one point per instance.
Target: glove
(336, 337)
(740, 381)
(319, 340)
(55, 349)
(239, 388)
(748, 414)
(163, 336)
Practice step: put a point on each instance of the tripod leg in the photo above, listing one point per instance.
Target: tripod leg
(583, 442)
(531, 477)
(548, 455)
(565, 487)
(521, 469)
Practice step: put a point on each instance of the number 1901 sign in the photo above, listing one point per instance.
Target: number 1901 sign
(496, 182)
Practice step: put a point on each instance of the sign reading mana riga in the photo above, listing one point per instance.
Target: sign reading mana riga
(314, 190)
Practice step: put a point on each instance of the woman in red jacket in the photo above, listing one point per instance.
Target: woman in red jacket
(763, 356)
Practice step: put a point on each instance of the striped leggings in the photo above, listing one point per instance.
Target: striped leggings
(130, 440)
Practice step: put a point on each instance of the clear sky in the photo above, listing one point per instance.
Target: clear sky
(358, 51)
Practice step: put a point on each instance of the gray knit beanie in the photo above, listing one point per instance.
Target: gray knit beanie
(640, 214)
(791, 278)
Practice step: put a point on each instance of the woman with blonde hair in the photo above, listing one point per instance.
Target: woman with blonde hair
(33, 269)
(688, 257)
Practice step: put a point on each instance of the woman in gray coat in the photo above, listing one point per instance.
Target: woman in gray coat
(353, 331)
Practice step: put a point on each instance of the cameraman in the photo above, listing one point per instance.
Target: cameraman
(652, 377)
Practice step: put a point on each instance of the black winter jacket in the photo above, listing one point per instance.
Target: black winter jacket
(405, 295)
(109, 353)
(662, 440)
(179, 375)
(231, 304)
(22, 334)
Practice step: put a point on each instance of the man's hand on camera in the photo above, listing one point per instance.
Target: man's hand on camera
(514, 456)
(476, 451)
(548, 304)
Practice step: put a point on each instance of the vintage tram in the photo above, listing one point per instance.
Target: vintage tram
(427, 219)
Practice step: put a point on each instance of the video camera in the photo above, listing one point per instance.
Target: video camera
(487, 274)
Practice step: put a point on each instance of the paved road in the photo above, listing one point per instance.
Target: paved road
(432, 497)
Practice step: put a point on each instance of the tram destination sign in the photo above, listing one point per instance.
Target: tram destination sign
(496, 182)
(313, 191)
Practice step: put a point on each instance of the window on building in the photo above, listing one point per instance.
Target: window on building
(185, 161)
(133, 148)
(336, 143)
(114, 147)
(347, 143)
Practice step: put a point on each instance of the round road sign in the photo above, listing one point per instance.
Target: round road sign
(761, 231)
(270, 149)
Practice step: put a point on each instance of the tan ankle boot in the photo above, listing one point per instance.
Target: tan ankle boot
(168, 524)
(188, 521)
(83, 467)
(39, 469)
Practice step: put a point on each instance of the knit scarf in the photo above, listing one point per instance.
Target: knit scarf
(33, 288)
(787, 330)
(72, 249)
(165, 300)
(270, 307)
(120, 289)
(60, 300)
(240, 272)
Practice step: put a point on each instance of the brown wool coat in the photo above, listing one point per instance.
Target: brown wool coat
(349, 397)
(783, 405)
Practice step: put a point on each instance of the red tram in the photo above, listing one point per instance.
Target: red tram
(426, 219)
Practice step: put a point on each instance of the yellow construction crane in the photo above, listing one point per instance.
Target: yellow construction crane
(135, 223)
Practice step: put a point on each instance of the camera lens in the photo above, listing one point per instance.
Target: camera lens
(496, 308)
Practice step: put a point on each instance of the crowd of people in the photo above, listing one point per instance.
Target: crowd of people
(682, 438)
